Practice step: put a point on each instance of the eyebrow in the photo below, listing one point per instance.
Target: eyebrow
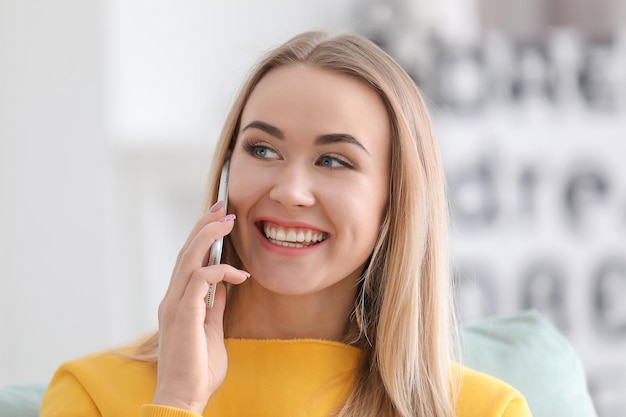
(320, 140)
(269, 129)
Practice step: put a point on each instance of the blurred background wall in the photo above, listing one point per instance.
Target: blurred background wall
(108, 110)
(529, 103)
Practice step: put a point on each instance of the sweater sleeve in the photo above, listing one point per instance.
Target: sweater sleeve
(100, 385)
(67, 397)
(487, 396)
(517, 407)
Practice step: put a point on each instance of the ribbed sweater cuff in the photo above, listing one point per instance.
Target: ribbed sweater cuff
(154, 410)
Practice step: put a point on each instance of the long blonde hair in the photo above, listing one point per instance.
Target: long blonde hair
(404, 309)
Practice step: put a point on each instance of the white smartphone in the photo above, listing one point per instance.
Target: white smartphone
(215, 253)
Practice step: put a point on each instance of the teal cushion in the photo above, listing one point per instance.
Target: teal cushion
(21, 400)
(530, 354)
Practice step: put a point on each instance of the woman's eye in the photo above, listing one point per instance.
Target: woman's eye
(328, 161)
(260, 151)
(263, 152)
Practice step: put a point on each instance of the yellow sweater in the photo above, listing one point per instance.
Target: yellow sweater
(276, 378)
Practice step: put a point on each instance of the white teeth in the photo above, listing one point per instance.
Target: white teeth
(288, 244)
(287, 237)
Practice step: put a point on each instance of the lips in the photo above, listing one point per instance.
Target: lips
(293, 237)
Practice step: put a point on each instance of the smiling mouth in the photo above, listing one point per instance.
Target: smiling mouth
(292, 237)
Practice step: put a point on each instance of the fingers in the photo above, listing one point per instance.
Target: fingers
(195, 252)
(216, 212)
(190, 306)
(196, 286)
(200, 279)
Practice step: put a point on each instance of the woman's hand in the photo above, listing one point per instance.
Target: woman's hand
(192, 356)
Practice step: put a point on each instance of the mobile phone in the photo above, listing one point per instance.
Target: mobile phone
(215, 253)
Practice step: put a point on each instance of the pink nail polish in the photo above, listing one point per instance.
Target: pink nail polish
(245, 273)
(228, 218)
(215, 207)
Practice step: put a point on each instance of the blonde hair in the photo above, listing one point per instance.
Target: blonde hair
(404, 310)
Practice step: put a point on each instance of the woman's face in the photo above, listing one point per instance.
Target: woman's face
(309, 179)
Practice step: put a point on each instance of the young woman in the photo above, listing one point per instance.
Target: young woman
(334, 295)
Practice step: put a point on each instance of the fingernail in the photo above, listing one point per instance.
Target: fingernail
(245, 273)
(215, 207)
(228, 218)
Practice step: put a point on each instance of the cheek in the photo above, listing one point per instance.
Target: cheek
(243, 188)
(375, 211)
(362, 208)
(236, 192)
(380, 194)
(375, 196)
(240, 201)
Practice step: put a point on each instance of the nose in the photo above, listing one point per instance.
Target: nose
(293, 187)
